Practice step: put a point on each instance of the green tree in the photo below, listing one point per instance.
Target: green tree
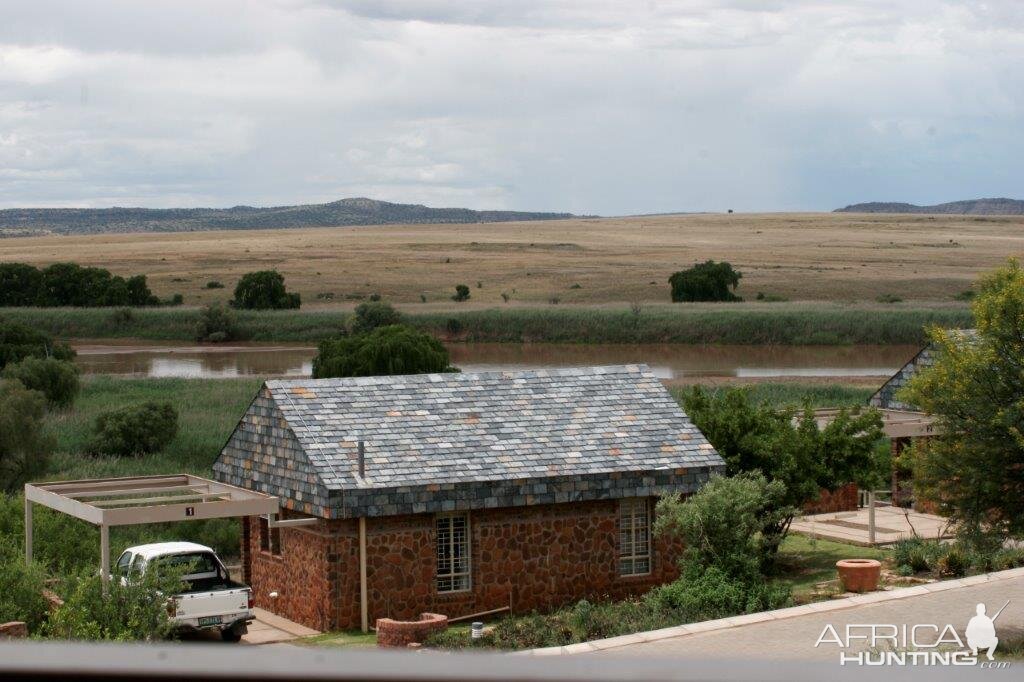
(391, 350)
(19, 341)
(369, 316)
(974, 469)
(263, 290)
(56, 379)
(461, 293)
(134, 430)
(24, 446)
(19, 284)
(707, 281)
(787, 446)
(139, 293)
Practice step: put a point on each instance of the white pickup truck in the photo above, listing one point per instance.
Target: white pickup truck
(212, 600)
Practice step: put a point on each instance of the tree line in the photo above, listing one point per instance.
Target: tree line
(72, 285)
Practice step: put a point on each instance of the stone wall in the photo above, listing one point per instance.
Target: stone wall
(527, 558)
(841, 499)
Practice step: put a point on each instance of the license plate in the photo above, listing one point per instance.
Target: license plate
(209, 620)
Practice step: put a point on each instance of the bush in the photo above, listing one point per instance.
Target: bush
(461, 293)
(217, 323)
(707, 281)
(135, 610)
(263, 290)
(24, 446)
(55, 379)
(723, 524)
(21, 588)
(946, 560)
(20, 341)
(369, 316)
(134, 430)
(214, 284)
(391, 350)
(709, 593)
(888, 298)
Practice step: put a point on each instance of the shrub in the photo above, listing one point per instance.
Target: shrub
(24, 446)
(461, 293)
(384, 351)
(369, 316)
(56, 379)
(134, 430)
(21, 588)
(214, 284)
(453, 326)
(20, 341)
(135, 610)
(965, 295)
(374, 297)
(723, 524)
(263, 290)
(709, 593)
(20, 284)
(70, 284)
(707, 281)
(176, 299)
(888, 298)
(217, 323)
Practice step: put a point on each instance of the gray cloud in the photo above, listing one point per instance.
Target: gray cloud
(596, 106)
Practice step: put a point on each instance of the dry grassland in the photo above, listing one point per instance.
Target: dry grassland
(812, 257)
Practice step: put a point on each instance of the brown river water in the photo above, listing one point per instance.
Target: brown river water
(668, 361)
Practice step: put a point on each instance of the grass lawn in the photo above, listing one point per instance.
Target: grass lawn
(805, 562)
(346, 638)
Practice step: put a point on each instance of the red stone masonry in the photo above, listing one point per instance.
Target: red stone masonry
(402, 633)
(526, 558)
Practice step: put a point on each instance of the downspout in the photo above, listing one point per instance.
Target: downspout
(364, 607)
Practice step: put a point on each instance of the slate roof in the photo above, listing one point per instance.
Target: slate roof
(448, 441)
(885, 396)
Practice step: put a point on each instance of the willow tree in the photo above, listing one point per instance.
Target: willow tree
(975, 388)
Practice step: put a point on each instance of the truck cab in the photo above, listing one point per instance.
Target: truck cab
(212, 601)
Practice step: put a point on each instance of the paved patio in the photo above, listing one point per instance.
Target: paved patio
(790, 634)
(891, 524)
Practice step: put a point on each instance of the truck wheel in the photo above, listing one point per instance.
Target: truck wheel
(230, 635)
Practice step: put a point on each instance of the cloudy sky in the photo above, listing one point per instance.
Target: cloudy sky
(590, 106)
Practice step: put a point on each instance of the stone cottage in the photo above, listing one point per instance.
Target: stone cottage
(460, 493)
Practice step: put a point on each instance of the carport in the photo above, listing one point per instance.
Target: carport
(107, 502)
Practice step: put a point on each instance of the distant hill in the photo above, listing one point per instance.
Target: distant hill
(359, 211)
(968, 207)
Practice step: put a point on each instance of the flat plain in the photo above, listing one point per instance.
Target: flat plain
(826, 257)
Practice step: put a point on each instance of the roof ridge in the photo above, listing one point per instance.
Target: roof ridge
(583, 370)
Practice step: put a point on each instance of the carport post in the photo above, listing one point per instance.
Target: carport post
(871, 517)
(105, 554)
(28, 530)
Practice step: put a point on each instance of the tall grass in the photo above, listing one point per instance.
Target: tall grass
(797, 395)
(787, 325)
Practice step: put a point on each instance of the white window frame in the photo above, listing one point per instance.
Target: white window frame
(629, 555)
(453, 575)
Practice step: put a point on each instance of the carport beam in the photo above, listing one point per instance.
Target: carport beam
(28, 531)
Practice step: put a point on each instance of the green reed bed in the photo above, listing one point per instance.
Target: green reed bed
(778, 324)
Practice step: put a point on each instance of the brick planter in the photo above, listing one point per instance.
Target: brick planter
(859, 575)
(13, 630)
(402, 633)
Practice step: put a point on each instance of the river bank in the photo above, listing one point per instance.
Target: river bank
(742, 324)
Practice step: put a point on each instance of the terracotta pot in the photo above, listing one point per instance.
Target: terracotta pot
(859, 575)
